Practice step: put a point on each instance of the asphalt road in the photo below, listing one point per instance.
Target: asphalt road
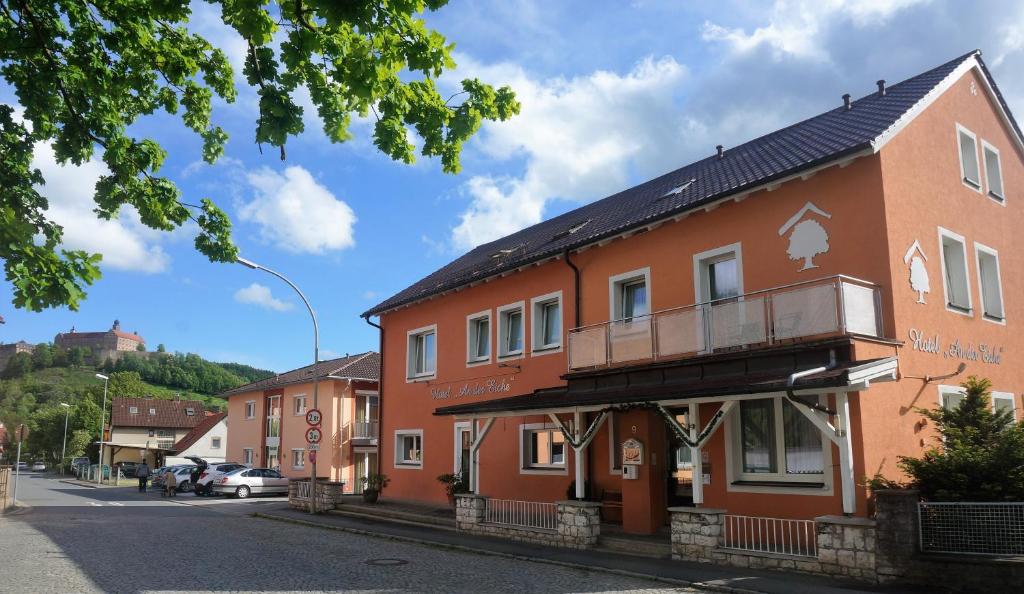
(80, 539)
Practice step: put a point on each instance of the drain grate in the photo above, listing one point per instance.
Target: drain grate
(386, 562)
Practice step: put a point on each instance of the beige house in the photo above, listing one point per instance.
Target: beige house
(148, 428)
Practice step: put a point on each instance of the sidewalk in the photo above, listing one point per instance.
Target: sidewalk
(90, 484)
(698, 575)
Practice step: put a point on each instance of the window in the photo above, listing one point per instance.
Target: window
(298, 458)
(547, 322)
(152, 433)
(776, 442)
(993, 172)
(989, 282)
(190, 411)
(630, 294)
(247, 456)
(969, 172)
(478, 337)
(950, 397)
(422, 352)
(164, 433)
(543, 447)
(954, 272)
(1004, 401)
(684, 454)
(152, 411)
(250, 409)
(718, 273)
(274, 416)
(409, 448)
(510, 330)
(215, 443)
(299, 405)
(134, 410)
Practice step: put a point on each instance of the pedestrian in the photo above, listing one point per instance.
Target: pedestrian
(170, 484)
(196, 473)
(142, 473)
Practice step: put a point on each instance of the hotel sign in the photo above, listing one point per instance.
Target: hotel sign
(489, 386)
(932, 343)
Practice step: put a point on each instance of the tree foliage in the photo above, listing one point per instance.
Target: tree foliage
(85, 71)
(126, 384)
(979, 455)
(188, 372)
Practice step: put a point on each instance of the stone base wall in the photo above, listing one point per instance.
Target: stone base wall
(578, 524)
(328, 495)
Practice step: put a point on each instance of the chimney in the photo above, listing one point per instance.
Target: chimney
(846, 102)
(881, 87)
(721, 151)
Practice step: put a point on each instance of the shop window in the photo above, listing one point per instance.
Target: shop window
(990, 283)
(247, 456)
(422, 353)
(510, 330)
(409, 448)
(954, 272)
(969, 171)
(250, 409)
(544, 448)
(993, 172)
(547, 321)
(776, 442)
(299, 405)
(478, 337)
(298, 459)
(1004, 401)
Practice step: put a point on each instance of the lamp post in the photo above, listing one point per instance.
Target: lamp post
(103, 421)
(316, 360)
(64, 448)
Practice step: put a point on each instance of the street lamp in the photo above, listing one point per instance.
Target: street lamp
(103, 421)
(64, 448)
(316, 359)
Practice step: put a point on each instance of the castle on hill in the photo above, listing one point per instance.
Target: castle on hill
(115, 340)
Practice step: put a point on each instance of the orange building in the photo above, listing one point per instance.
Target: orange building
(268, 420)
(750, 332)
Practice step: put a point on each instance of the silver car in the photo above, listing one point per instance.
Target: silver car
(243, 482)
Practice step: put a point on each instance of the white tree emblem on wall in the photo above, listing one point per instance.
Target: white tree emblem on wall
(915, 258)
(808, 238)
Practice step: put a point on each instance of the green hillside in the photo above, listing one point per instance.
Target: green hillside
(77, 380)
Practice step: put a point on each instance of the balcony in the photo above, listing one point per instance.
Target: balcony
(363, 430)
(832, 306)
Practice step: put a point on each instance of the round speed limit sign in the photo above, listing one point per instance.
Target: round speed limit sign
(313, 416)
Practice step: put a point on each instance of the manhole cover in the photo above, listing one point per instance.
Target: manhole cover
(386, 562)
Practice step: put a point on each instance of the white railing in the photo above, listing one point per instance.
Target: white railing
(771, 535)
(303, 489)
(528, 514)
(972, 528)
(364, 429)
(814, 309)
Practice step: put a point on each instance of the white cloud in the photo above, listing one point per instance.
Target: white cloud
(257, 294)
(369, 295)
(296, 213)
(580, 137)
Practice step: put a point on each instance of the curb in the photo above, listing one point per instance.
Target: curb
(466, 549)
(78, 484)
(18, 509)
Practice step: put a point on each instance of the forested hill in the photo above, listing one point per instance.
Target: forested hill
(188, 372)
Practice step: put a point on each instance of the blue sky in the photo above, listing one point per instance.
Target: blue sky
(613, 93)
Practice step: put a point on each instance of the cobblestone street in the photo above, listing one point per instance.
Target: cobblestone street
(77, 539)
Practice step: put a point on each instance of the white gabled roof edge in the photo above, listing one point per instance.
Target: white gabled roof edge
(966, 66)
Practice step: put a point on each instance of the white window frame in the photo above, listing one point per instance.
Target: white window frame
(406, 464)
(537, 304)
(960, 156)
(215, 442)
(615, 284)
(1005, 396)
(612, 444)
(301, 457)
(247, 405)
(457, 430)
(248, 456)
(701, 280)
(524, 463)
(295, 404)
(152, 411)
(980, 249)
(947, 234)
(471, 326)
(997, 198)
(943, 390)
(502, 313)
(734, 458)
(410, 373)
(133, 410)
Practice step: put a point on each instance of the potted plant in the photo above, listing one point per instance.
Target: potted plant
(453, 485)
(372, 486)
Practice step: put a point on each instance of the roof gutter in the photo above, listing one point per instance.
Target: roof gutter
(808, 403)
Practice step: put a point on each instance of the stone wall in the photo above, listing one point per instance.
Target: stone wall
(328, 495)
(578, 523)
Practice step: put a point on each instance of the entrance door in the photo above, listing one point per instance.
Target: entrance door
(680, 484)
(365, 464)
(463, 448)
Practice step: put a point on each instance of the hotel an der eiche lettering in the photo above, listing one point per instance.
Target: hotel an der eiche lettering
(755, 328)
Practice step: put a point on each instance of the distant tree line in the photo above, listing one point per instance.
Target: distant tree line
(188, 372)
(45, 356)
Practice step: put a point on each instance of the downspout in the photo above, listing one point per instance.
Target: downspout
(380, 392)
(798, 400)
(576, 319)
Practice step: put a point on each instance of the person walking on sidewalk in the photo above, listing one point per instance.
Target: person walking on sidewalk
(170, 483)
(142, 473)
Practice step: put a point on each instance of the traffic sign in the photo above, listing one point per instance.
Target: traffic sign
(312, 456)
(313, 447)
(313, 416)
(313, 435)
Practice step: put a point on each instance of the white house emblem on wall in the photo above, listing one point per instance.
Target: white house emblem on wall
(915, 258)
(808, 237)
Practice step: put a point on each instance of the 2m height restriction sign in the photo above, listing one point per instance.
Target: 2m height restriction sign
(313, 435)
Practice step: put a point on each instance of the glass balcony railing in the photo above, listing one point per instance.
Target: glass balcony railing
(363, 430)
(832, 306)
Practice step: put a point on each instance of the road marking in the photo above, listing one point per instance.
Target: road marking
(94, 504)
(116, 503)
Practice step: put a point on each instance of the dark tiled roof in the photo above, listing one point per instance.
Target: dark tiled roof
(362, 366)
(169, 413)
(209, 422)
(812, 142)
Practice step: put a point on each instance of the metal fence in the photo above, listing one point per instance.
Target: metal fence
(771, 535)
(971, 528)
(528, 514)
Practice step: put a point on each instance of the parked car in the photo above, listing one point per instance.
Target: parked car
(38, 467)
(79, 461)
(127, 469)
(243, 482)
(182, 477)
(211, 473)
(22, 466)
